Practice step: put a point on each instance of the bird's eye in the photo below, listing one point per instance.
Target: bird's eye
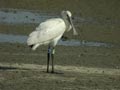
(67, 16)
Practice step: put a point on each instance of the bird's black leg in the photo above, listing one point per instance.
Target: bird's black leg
(52, 57)
(48, 58)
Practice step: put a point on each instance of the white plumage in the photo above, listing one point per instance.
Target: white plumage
(50, 31)
(47, 32)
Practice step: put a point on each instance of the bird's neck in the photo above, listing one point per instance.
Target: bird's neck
(68, 25)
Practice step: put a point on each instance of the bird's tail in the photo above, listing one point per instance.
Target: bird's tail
(32, 39)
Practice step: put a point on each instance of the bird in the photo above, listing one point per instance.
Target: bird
(49, 32)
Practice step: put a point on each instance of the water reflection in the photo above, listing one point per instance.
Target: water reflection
(22, 39)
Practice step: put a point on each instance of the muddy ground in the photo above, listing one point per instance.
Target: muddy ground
(85, 68)
(77, 67)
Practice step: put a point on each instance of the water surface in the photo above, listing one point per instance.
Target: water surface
(18, 16)
(22, 39)
(14, 16)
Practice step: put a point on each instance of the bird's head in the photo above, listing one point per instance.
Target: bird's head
(67, 15)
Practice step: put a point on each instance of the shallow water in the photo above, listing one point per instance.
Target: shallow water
(14, 16)
(18, 16)
(22, 39)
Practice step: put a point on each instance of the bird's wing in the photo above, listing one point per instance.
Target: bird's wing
(47, 31)
(50, 23)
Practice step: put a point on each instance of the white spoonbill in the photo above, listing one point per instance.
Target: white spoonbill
(49, 32)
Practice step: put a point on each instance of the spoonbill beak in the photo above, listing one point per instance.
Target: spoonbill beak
(73, 28)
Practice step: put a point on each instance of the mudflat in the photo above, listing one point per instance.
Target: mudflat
(76, 67)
